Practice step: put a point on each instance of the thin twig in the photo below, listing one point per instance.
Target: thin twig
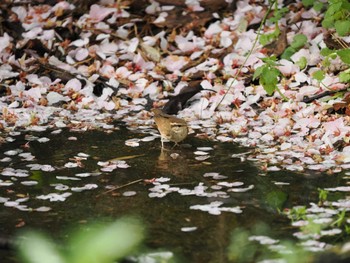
(122, 186)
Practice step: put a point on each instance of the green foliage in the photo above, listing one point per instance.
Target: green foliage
(268, 38)
(288, 52)
(326, 52)
(298, 42)
(308, 3)
(276, 199)
(344, 76)
(302, 62)
(312, 228)
(344, 55)
(38, 248)
(341, 219)
(342, 27)
(297, 253)
(337, 16)
(97, 243)
(240, 248)
(322, 195)
(278, 13)
(318, 75)
(268, 75)
(328, 55)
(297, 213)
(317, 5)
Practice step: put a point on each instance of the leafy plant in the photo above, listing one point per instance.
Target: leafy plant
(297, 213)
(341, 219)
(240, 248)
(97, 243)
(312, 228)
(337, 16)
(298, 42)
(302, 62)
(318, 75)
(344, 55)
(269, 75)
(322, 195)
(316, 4)
(344, 76)
(268, 38)
(328, 55)
(278, 13)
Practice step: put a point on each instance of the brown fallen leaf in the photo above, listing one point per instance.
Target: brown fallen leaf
(278, 46)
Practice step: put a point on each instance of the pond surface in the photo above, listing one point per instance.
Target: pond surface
(248, 195)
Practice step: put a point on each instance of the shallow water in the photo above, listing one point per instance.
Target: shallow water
(164, 217)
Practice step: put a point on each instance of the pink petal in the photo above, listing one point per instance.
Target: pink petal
(98, 13)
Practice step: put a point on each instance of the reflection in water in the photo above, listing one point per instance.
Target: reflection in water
(173, 162)
(164, 217)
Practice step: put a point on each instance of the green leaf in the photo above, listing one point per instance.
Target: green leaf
(346, 5)
(288, 52)
(298, 41)
(334, 7)
(269, 79)
(258, 72)
(269, 88)
(308, 3)
(276, 199)
(342, 27)
(344, 77)
(267, 38)
(278, 14)
(318, 75)
(270, 75)
(106, 243)
(264, 39)
(318, 6)
(302, 62)
(344, 55)
(38, 248)
(240, 248)
(270, 61)
(326, 62)
(328, 22)
(326, 51)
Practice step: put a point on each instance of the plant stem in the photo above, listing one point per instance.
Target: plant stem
(249, 53)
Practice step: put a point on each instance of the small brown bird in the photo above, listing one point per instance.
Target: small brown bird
(170, 128)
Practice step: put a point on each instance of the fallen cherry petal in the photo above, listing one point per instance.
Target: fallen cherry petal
(189, 229)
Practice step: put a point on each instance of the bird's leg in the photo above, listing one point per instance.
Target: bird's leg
(175, 144)
(162, 141)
